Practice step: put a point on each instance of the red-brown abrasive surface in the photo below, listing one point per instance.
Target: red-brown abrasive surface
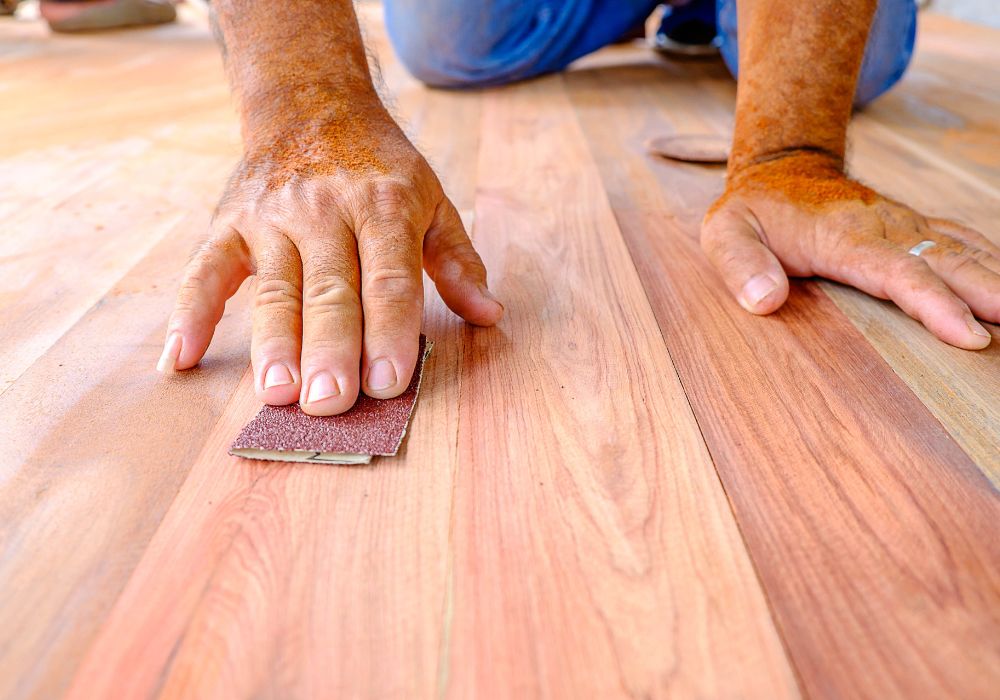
(370, 427)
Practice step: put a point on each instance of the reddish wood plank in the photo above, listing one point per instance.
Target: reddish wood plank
(595, 555)
(873, 533)
(294, 581)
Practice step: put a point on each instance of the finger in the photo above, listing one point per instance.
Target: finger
(392, 298)
(750, 270)
(976, 284)
(457, 270)
(331, 337)
(882, 270)
(214, 273)
(967, 235)
(277, 320)
(949, 244)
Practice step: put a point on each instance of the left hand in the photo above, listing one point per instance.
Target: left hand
(800, 215)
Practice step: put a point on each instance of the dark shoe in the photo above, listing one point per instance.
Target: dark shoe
(689, 30)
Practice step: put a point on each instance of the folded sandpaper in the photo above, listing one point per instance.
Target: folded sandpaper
(371, 427)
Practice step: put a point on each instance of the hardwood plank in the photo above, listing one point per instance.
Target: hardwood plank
(94, 446)
(944, 109)
(294, 581)
(59, 257)
(594, 553)
(872, 531)
(86, 193)
(302, 582)
(120, 84)
(962, 389)
(100, 209)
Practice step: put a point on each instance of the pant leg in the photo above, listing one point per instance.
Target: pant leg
(887, 54)
(464, 43)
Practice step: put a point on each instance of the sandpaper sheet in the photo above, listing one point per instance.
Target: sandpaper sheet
(372, 427)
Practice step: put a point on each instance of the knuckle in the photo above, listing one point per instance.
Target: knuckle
(383, 198)
(391, 194)
(277, 293)
(392, 285)
(326, 293)
(980, 256)
(908, 267)
(731, 257)
(959, 259)
(456, 260)
(388, 201)
(846, 222)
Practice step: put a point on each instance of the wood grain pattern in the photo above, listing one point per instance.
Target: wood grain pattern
(75, 190)
(582, 466)
(851, 496)
(944, 110)
(556, 525)
(97, 217)
(960, 388)
(91, 461)
(333, 584)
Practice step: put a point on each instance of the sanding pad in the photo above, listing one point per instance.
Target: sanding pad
(691, 148)
(371, 427)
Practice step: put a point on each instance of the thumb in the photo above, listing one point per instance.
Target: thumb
(457, 270)
(753, 274)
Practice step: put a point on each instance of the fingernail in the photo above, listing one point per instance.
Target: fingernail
(277, 375)
(976, 328)
(322, 386)
(171, 351)
(756, 290)
(492, 297)
(382, 375)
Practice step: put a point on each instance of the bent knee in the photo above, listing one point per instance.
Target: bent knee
(458, 43)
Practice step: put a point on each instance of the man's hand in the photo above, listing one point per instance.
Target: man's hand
(788, 202)
(332, 209)
(801, 215)
(336, 236)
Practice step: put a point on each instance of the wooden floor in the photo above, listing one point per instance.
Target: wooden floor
(630, 488)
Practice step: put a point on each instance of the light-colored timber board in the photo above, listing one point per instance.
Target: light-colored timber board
(627, 489)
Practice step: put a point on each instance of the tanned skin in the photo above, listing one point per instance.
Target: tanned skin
(790, 209)
(335, 211)
(332, 209)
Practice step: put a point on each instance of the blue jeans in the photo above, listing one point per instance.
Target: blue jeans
(470, 43)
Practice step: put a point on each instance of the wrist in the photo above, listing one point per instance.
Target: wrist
(309, 115)
(288, 106)
(804, 176)
(815, 158)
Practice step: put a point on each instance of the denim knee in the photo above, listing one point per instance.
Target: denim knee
(468, 43)
(464, 43)
(887, 54)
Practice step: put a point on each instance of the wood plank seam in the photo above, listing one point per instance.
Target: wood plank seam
(782, 636)
(924, 153)
(654, 209)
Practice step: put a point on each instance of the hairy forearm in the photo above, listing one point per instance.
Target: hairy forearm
(799, 64)
(302, 84)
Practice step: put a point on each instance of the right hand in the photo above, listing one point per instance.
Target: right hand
(336, 221)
